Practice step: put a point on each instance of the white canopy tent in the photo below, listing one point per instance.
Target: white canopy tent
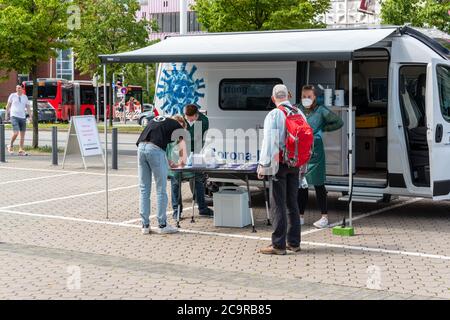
(320, 44)
(295, 45)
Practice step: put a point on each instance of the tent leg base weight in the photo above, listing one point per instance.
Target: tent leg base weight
(344, 231)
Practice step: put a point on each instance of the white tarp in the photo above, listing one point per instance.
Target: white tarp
(320, 44)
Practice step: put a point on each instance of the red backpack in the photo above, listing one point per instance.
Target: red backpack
(299, 139)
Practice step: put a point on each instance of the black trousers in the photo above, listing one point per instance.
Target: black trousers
(284, 208)
(321, 196)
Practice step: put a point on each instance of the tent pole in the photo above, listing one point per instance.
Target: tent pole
(183, 16)
(105, 97)
(350, 142)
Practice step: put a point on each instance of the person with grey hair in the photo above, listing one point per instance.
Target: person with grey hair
(283, 194)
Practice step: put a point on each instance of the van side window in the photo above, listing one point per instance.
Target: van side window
(443, 79)
(412, 83)
(247, 94)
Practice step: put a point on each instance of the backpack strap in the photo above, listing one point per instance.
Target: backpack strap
(287, 110)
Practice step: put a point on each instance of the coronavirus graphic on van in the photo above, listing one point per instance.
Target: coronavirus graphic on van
(178, 87)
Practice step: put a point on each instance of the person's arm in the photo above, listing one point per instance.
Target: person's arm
(8, 107)
(332, 121)
(273, 124)
(182, 153)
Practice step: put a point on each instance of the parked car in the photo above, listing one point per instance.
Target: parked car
(145, 117)
(147, 107)
(46, 113)
(148, 114)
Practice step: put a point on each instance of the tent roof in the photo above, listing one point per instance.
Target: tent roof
(320, 44)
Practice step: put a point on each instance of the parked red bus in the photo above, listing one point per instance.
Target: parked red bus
(72, 98)
(57, 92)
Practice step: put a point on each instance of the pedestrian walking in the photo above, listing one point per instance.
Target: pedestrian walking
(16, 109)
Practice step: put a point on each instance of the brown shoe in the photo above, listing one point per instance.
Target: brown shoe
(293, 249)
(271, 250)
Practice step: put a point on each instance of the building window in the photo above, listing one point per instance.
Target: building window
(247, 94)
(21, 78)
(64, 64)
(170, 22)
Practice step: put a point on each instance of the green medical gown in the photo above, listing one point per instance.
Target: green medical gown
(172, 153)
(321, 119)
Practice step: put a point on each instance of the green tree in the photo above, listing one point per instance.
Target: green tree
(30, 33)
(251, 15)
(107, 26)
(420, 13)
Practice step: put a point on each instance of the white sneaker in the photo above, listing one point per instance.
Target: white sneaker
(145, 230)
(168, 229)
(302, 221)
(322, 223)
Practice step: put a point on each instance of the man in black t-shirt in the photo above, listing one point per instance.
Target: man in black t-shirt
(152, 161)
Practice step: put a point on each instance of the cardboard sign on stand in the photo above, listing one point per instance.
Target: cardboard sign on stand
(83, 139)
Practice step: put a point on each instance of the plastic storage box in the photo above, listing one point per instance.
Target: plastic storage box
(231, 207)
(371, 121)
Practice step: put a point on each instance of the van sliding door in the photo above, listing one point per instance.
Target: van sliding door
(438, 127)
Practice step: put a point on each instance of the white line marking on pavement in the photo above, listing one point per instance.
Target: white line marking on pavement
(154, 216)
(378, 250)
(395, 206)
(225, 235)
(70, 171)
(38, 178)
(136, 220)
(69, 218)
(67, 197)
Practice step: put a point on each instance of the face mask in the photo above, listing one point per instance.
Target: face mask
(307, 103)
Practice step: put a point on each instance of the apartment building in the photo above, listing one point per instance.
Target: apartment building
(353, 12)
(341, 13)
(61, 67)
(167, 15)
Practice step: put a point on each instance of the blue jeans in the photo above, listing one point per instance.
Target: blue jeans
(199, 193)
(152, 161)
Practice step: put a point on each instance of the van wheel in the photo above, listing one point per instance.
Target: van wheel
(87, 112)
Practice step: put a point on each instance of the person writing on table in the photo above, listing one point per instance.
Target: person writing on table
(152, 162)
(321, 119)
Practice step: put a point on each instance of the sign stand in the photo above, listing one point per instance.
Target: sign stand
(83, 139)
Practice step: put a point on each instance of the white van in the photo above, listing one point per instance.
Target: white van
(400, 97)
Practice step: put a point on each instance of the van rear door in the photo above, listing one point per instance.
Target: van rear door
(438, 127)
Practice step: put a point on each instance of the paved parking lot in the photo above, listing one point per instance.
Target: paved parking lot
(57, 243)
